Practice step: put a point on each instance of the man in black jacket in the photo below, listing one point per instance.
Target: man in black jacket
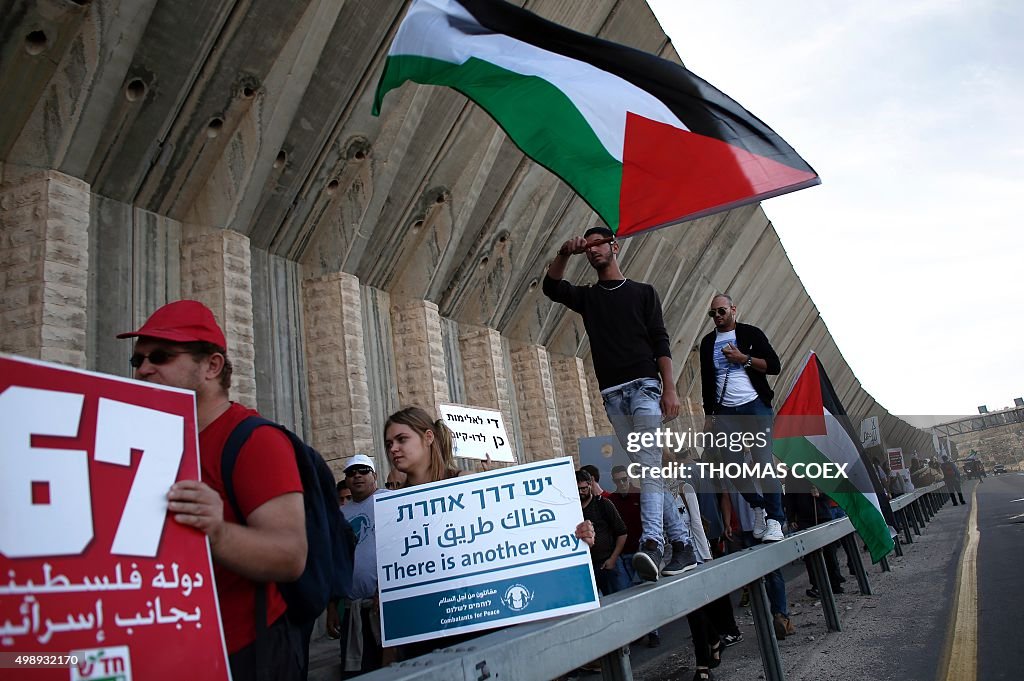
(735, 361)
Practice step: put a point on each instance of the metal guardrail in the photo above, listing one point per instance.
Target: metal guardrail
(549, 648)
(914, 509)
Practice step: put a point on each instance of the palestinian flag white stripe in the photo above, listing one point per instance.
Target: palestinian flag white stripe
(645, 142)
(836, 446)
(444, 30)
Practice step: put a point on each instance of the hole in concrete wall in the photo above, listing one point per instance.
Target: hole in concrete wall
(248, 92)
(135, 90)
(332, 186)
(533, 285)
(214, 128)
(357, 148)
(35, 42)
(439, 199)
(417, 224)
(483, 261)
(282, 158)
(503, 238)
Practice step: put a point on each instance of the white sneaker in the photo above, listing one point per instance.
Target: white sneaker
(774, 532)
(760, 527)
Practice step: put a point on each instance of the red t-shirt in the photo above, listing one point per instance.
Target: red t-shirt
(628, 506)
(265, 469)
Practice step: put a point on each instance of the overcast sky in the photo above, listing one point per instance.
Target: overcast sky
(911, 112)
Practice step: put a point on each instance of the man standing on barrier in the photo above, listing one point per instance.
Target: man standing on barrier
(735, 361)
(630, 349)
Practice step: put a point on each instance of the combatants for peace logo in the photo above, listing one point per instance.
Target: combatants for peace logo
(517, 597)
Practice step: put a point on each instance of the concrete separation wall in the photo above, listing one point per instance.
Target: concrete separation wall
(153, 149)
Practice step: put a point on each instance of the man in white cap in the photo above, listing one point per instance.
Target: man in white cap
(359, 627)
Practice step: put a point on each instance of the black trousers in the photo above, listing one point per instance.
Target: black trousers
(372, 652)
(276, 656)
(831, 566)
(708, 624)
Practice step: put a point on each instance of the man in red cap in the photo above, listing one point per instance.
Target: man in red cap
(182, 346)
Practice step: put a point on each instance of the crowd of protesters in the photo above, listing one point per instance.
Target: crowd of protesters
(647, 528)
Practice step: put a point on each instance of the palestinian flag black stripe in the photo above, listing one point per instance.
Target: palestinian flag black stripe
(704, 109)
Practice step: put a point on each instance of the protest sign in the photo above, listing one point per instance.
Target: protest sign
(481, 551)
(895, 458)
(95, 574)
(869, 436)
(477, 433)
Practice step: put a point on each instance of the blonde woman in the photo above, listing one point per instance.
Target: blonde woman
(421, 448)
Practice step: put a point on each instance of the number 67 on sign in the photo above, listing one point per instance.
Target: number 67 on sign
(86, 461)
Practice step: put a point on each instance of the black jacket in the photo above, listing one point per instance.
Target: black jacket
(751, 341)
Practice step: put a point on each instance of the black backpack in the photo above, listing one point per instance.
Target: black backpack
(329, 537)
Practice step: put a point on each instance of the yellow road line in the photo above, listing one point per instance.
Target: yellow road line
(963, 654)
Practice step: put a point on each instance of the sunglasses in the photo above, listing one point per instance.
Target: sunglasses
(156, 358)
(358, 470)
(717, 312)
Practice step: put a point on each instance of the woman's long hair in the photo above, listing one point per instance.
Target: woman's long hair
(442, 461)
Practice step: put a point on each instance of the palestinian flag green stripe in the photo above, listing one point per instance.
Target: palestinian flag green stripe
(864, 515)
(527, 108)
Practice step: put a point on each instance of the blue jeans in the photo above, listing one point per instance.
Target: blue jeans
(636, 408)
(612, 581)
(625, 566)
(753, 417)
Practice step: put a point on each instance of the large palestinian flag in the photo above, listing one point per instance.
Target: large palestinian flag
(812, 427)
(645, 142)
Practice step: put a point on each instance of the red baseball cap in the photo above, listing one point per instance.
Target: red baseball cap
(183, 321)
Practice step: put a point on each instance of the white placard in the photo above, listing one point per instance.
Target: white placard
(481, 551)
(477, 433)
(869, 436)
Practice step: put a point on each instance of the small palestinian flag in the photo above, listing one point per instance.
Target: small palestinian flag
(642, 140)
(812, 427)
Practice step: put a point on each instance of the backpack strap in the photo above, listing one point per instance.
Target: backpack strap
(229, 456)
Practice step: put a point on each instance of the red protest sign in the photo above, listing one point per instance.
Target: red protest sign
(895, 459)
(93, 571)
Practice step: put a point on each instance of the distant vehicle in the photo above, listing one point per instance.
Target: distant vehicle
(998, 469)
(974, 469)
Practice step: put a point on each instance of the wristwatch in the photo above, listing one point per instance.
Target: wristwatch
(750, 361)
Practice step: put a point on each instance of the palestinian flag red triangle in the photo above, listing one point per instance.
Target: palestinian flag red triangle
(811, 428)
(668, 172)
(803, 413)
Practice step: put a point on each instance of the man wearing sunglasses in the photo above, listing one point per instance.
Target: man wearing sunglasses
(359, 626)
(395, 479)
(182, 346)
(735, 362)
(633, 363)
